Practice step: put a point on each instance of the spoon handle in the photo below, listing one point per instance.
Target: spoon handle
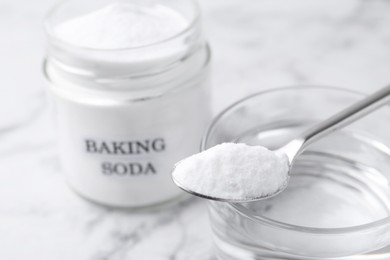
(341, 119)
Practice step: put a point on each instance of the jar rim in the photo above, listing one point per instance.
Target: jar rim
(247, 213)
(49, 30)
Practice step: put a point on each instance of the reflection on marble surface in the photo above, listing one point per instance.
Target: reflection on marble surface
(256, 45)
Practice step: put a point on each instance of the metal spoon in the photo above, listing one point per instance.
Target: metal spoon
(296, 146)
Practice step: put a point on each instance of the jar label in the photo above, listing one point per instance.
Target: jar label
(115, 149)
(123, 153)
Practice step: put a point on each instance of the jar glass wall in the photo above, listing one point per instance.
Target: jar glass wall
(337, 205)
(126, 115)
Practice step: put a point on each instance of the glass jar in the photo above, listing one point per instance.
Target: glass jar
(125, 116)
(337, 204)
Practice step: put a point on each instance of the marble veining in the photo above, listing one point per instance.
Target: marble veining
(256, 45)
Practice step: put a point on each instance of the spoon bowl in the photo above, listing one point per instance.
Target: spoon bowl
(222, 199)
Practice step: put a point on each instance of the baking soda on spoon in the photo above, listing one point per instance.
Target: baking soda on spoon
(233, 172)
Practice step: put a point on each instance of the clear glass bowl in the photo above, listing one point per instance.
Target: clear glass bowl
(337, 205)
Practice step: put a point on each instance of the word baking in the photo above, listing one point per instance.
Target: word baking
(124, 147)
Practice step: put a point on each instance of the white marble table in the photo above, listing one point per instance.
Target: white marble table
(256, 45)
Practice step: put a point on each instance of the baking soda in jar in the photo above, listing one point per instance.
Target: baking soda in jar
(129, 84)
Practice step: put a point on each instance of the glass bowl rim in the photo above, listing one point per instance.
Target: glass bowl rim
(245, 212)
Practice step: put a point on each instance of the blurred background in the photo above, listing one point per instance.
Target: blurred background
(256, 45)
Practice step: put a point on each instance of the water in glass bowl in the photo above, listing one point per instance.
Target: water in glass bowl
(328, 189)
(342, 181)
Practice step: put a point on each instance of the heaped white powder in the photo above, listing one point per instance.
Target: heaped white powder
(122, 25)
(234, 172)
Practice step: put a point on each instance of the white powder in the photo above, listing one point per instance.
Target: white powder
(234, 171)
(122, 25)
